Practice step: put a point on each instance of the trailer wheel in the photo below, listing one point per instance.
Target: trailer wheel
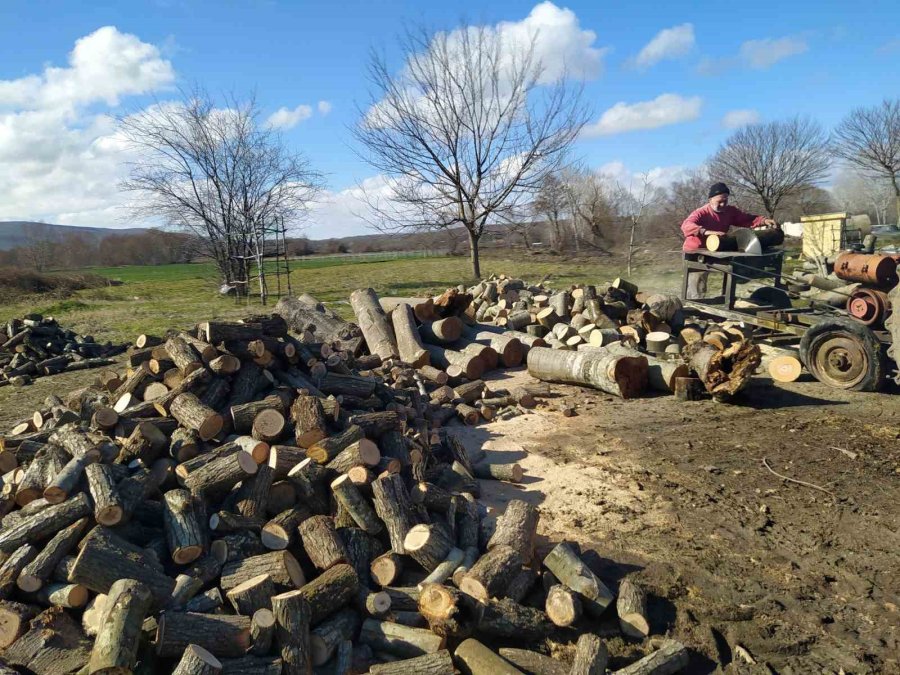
(844, 354)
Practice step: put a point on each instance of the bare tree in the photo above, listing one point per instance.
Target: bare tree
(218, 174)
(637, 202)
(684, 196)
(864, 194)
(590, 196)
(773, 160)
(551, 204)
(39, 250)
(466, 131)
(869, 138)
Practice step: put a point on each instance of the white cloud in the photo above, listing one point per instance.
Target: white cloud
(659, 176)
(560, 44)
(341, 213)
(669, 43)
(662, 111)
(734, 119)
(59, 160)
(324, 107)
(765, 53)
(285, 118)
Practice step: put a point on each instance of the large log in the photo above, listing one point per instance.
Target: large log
(724, 372)
(491, 574)
(517, 528)
(330, 591)
(219, 634)
(118, 638)
(356, 504)
(309, 420)
(393, 506)
(563, 605)
(328, 635)
(54, 644)
(438, 663)
(374, 323)
(624, 376)
(292, 615)
(409, 344)
(325, 326)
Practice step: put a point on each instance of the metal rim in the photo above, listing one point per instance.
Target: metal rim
(839, 360)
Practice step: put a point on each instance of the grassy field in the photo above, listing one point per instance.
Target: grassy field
(154, 299)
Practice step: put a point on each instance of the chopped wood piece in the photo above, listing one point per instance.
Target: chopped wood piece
(330, 447)
(671, 657)
(191, 413)
(393, 506)
(281, 531)
(359, 453)
(428, 545)
(262, 631)
(309, 420)
(185, 526)
(409, 344)
(107, 502)
(280, 565)
(12, 567)
(253, 594)
(510, 620)
(328, 635)
(533, 663)
(563, 605)
(39, 570)
(590, 656)
(374, 323)
(631, 606)
(356, 505)
(439, 663)
(571, 570)
(473, 658)
(512, 473)
(330, 591)
(517, 528)
(386, 569)
(321, 542)
(44, 523)
(292, 616)
(220, 634)
(14, 618)
(197, 661)
(398, 639)
(118, 637)
(53, 644)
(449, 612)
(489, 576)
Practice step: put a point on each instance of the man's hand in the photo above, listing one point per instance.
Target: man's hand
(768, 222)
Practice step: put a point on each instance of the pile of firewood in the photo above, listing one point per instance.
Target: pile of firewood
(35, 346)
(243, 501)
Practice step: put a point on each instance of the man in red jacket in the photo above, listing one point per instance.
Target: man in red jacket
(715, 217)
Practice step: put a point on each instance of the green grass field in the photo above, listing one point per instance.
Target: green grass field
(154, 299)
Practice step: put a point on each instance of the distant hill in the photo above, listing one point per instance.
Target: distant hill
(19, 232)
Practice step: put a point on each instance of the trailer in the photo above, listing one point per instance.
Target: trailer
(836, 349)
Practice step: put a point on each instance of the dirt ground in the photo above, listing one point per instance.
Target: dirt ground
(738, 561)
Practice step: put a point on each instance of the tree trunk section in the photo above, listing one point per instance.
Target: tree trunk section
(517, 528)
(374, 323)
(115, 649)
(252, 595)
(670, 658)
(44, 523)
(192, 414)
(533, 663)
(328, 448)
(262, 631)
(220, 634)
(449, 612)
(473, 658)
(328, 635)
(357, 505)
(631, 606)
(428, 545)
(281, 566)
(33, 576)
(330, 591)
(395, 638)
(590, 656)
(292, 617)
(563, 605)
(197, 661)
(409, 344)
(393, 506)
(309, 421)
(439, 663)
(622, 376)
(572, 571)
(491, 574)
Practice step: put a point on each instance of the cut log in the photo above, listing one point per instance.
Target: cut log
(439, 663)
(395, 638)
(268, 426)
(328, 448)
(53, 644)
(309, 420)
(590, 656)
(510, 620)
(39, 570)
(355, 504)
(281, 566)
(310, 480)
(631, 606)
(216, 478)
(107, 502)
(622, 376)
(726, 372)
(197, 661)
(492, 572)
(449, 612)
(373, 323)
(321, 542)
(517, 528)
(184, 444)
(118, 637)
(670, 658)
(393, 506)
(563, 605)
(446, 569)
(262, 631)
(409, 344)
(185, 357)
(192, 414)
(470, 365)
(533, 663)
(219, 634)
(567, 566)
(785, 368)
(14, 618)
(512, 473)
(252, 497)
(281, 531)
(325, 325)
(44, 523)
(473, 658)
(328, 635)
(387, 568)
(428, 545)
(12, 567)
(185, 526)
(330, 591)
(442, 332)
(359, 453)
(292, 616)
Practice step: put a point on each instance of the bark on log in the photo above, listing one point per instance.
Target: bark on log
(373, 323)
(44, 523)
(387, 568)
(567, 566)
(219, 634)
(631, 606)
(622, 376)
(359, 453)
(309, 420)
(280, 532)
(262, 631)
(325, 638)
(511, 473)
(292, 616)
(14, 618)
(395, 638)
(185, 526)
(39, 570)
(517, 528)
(217, 477)
(321, 542)
(726, 372)
(281, 566)
(105, 558)
(393, 506)
(471, 366)
(661, 373)
(590, 656)
(192, 414)
(107, 502)
(442, 332)
(118, 638)
(13, 566)
(510, 620)
(533, 663)
(671, 657)
(310, 480)
(409, 344)
(490, 575)
(326, 326)
(54, 645)
(356, 505)
(328, 448)
(473, 658)
(330, 591)
(449, 612)
(185, 357)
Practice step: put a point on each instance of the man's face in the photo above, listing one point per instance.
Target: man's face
(719, 202)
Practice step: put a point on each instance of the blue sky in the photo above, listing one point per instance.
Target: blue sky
(666, 81)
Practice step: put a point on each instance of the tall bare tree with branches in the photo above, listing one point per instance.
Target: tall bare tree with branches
(550, 203)
(465, 132)
(217, 173)
(773, 160)
(869, 138)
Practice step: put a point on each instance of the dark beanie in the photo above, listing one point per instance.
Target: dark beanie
(718, 189)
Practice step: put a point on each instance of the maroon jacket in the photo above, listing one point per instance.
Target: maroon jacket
(709, 220)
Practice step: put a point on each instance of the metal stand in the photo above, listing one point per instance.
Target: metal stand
(725, 263)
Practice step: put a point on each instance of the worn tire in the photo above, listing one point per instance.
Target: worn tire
(874, 373)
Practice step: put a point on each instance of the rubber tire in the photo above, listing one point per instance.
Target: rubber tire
(876, 376)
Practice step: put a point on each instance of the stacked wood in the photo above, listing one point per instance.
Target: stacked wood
(351, 528)
(36, 346)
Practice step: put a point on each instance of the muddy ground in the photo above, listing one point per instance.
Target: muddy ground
(738, 561)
